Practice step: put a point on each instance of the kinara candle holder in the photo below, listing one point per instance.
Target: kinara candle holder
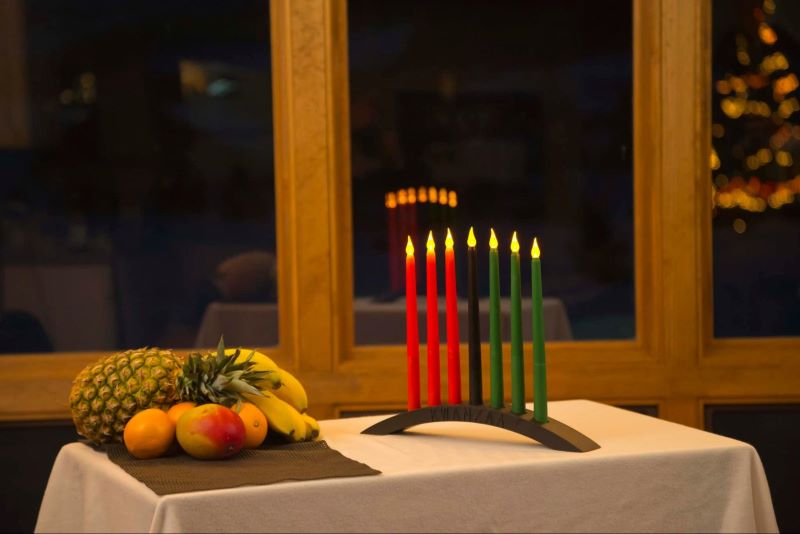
(553, 434)
(533, 424)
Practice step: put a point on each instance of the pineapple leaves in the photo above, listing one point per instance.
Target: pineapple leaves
(219, 377)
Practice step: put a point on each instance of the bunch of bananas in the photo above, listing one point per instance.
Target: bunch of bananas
(283, 399)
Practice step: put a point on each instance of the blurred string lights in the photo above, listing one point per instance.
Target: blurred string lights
(755, 144)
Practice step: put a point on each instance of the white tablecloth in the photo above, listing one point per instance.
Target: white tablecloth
(376, 323)
(648, 476)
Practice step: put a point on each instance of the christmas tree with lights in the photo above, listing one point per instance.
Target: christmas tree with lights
(755, 157)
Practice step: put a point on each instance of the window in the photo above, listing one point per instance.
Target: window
(755, 168)
(141, 210)
(513, 115)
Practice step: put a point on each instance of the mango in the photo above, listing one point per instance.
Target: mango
(211, 432)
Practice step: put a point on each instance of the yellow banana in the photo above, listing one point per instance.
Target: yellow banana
(300, 427)
(261, 362)
(312, 427)
(292, 391)
(281, 417)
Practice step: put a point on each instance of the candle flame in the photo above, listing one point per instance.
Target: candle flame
(471, 241)
(448, 242)
(443, 196)
(431, 245)
(514, 243)
(535, 249)
(409, 247)
(493, 240)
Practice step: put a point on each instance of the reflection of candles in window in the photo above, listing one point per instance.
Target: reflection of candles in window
(402, 209)
(433, 206)
(412, 212)
(432, 194)
(442, 207)
(393, 242)
(422, 198)
(452, 202)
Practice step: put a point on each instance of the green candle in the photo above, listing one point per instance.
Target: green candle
(539, 367)
(495, 345)
(517, 369)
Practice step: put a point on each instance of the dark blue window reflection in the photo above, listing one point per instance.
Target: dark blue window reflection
(145, 192)
(519, 112)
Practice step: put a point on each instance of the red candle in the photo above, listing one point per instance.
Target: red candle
(434, 394)
(453, 355)
(412, 328)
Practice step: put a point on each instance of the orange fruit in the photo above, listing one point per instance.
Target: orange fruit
(255, 425)
(149, 434)
(177, 410)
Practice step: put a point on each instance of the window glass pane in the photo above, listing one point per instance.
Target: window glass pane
(141, 209)
(755, 168)
(521, 113)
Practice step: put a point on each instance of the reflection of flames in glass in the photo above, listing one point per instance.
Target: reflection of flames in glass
(443, 196)
(422, 195)
(404, 207)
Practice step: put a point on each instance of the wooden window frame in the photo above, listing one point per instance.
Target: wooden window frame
(674, 362)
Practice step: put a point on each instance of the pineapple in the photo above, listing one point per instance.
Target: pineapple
(106, 394)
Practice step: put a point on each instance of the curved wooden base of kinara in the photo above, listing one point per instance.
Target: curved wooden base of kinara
(552, 434)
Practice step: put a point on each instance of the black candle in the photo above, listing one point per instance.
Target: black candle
(475, 376)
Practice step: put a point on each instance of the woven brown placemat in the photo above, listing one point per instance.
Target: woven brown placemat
(276, 463)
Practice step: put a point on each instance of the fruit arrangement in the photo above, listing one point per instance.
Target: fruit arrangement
(214, 404)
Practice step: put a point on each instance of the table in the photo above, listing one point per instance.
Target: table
(648, 476)
(376, 323)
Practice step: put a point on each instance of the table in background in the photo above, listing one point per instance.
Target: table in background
(73, 301)
(376, 323)
(648, 476)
